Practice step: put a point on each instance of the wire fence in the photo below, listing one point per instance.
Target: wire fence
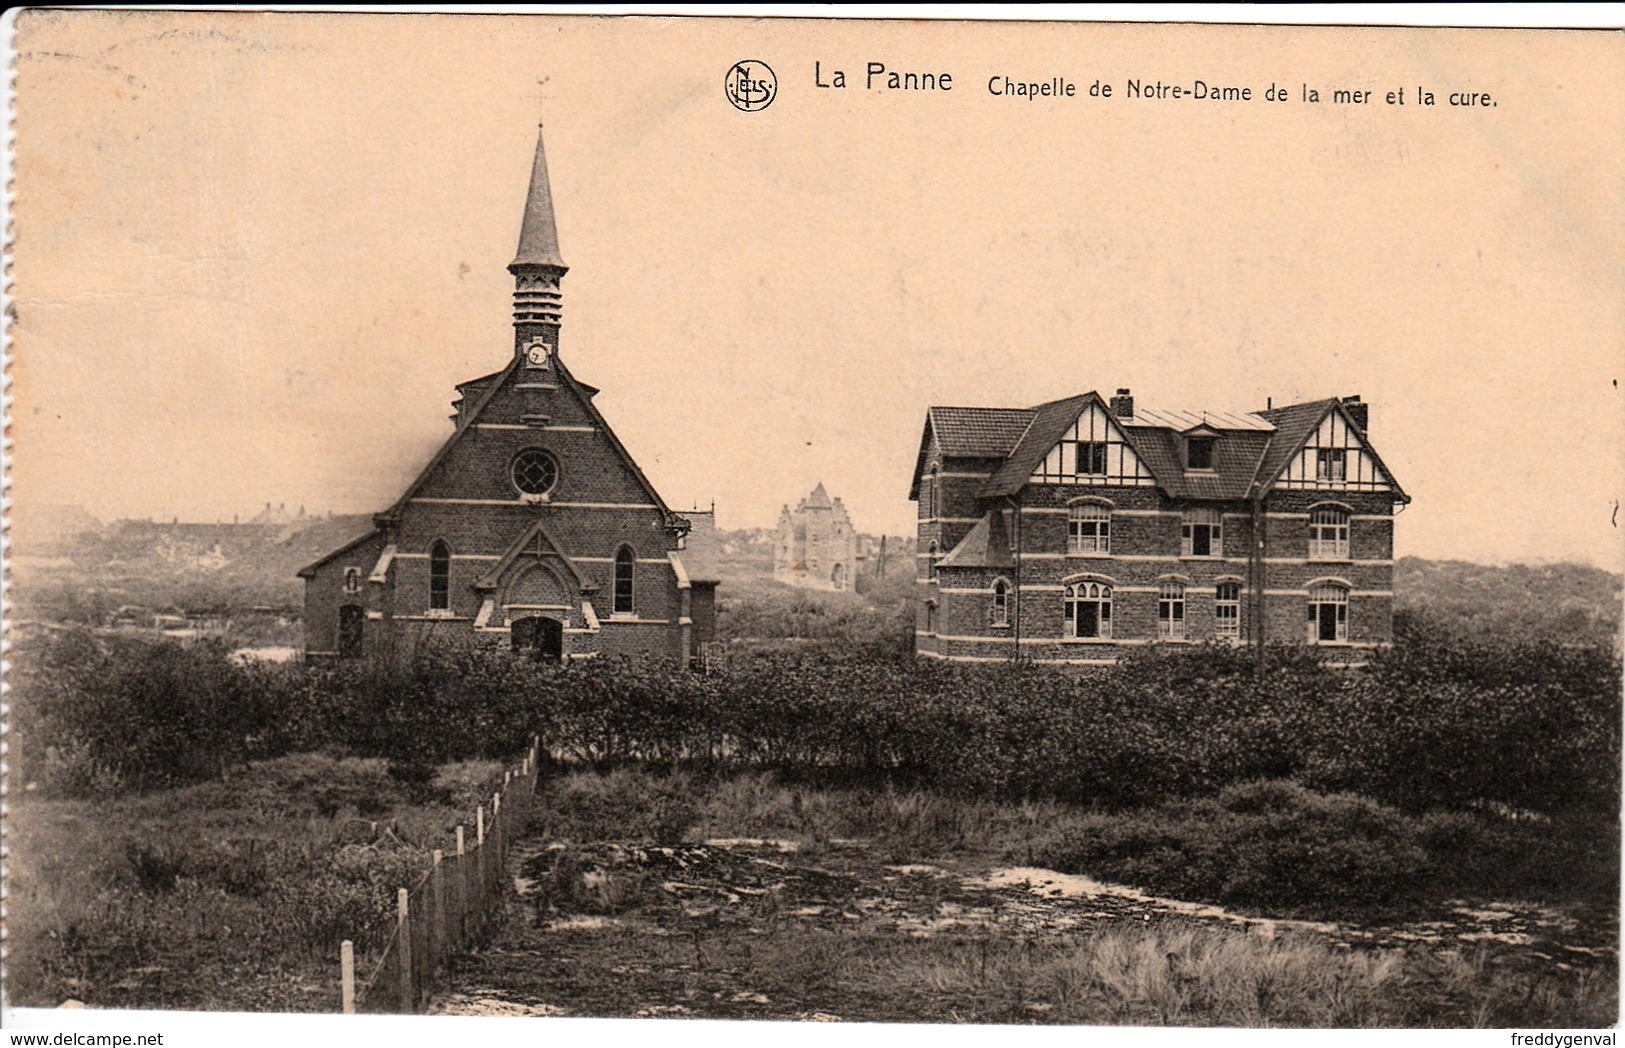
(449, 909)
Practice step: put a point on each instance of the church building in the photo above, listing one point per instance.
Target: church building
(1081, 529)
(532, 527)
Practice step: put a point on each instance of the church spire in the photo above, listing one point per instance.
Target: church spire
(537, 269)
(539, 235)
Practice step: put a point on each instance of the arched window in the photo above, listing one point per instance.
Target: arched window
(837, 577)
(999, 613)
(931, 562)
(1202, 534)
(1089, 610)
(1329, 533)
(1328, 613)
(624, 563)
(440, 577)
(1088, 528)
(352, 580)
(1227, 610)
(930, 494)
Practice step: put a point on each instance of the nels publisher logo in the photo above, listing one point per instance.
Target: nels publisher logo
(751, 85)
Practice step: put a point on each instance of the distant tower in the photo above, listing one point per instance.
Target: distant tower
(537, 269)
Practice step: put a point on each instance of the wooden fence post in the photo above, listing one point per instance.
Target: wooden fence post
(437, 916)
(481, 881)
(347, 977)
(462, 891)
(496, 830)
(403, 948)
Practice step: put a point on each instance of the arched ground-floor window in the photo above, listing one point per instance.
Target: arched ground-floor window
(1328, 613)
(1089, 610)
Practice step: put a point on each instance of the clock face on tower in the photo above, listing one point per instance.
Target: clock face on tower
(538, 354)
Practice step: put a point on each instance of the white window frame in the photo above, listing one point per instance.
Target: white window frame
(998, 612)
(1227, 611)
(1329, 533)
(1206, 518)
(1088, 592)
(1104, 450)
(1333, 595)
(1332, 465)
(1095, 518)
(1171, 611)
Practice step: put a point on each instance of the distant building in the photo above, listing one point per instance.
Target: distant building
(531, 527)
(1081, 529)
(816, 546)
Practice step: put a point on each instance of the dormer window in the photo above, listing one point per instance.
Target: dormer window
(1199, 452)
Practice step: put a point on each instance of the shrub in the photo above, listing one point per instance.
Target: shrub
(1266, 844)
(625, 804)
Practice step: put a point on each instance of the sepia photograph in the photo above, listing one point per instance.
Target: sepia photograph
(811, 520)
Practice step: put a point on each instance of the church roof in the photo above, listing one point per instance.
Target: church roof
(819, 499)
(539, 235)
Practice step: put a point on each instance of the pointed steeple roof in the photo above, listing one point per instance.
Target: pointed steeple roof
(539, 235)
(819, 498)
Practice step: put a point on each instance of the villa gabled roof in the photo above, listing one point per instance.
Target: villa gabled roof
(1250, 449)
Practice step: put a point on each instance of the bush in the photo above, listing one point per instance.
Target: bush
(1435, 723)
(1271, 845)
(1265, 844)
(624, 805)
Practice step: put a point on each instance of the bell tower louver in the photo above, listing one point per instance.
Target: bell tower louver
(537, 270)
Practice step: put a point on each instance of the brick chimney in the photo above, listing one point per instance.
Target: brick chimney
(1123, 404)
(1359, 411)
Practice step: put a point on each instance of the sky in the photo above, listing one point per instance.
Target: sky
(254, 252)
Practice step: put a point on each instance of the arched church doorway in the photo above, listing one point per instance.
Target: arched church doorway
(539, 637)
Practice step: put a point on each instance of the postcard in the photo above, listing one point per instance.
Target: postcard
(811, 520)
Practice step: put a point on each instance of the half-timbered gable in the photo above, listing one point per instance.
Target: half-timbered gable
(1082, 528)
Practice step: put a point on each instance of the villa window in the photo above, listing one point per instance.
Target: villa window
(1331, 464)
(1092, 458)
(1089, 528)
(999, 613)
(1227, 611)
(1199, 453)
(1089, 610)
(1201, 535)
(1329, 534)
(352, 580)
(1328, 614)
(1171, 611)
